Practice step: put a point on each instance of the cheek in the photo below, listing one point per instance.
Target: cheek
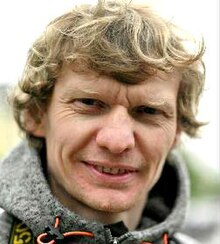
(70, 136)
(157, 141)
(64, 129)
(163, 142)
(155, 147)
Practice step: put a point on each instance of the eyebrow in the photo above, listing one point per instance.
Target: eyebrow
(69, 93)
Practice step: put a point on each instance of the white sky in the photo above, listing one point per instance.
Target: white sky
(22, 21)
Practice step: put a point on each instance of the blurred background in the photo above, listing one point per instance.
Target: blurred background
(22, 21)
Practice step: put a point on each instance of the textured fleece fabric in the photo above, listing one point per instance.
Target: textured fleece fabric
(25, 194)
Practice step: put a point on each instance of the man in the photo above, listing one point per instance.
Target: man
(105, 95)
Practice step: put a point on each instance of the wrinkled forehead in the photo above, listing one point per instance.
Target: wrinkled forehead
(89, 83)
(131, 78)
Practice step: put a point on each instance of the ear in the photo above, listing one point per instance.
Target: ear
(177, 137)
(35, 127)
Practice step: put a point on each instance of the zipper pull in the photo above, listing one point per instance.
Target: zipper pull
(115, 240)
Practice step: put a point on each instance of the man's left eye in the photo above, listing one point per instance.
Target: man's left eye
(147, 110)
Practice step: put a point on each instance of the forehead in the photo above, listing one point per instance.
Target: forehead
(161, 85)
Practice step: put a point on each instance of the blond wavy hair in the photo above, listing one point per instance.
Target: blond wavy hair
(125, 41)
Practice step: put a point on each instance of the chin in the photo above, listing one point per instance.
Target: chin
(112, 205)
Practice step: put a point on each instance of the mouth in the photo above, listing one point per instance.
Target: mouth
(112, 171)
(108, 173)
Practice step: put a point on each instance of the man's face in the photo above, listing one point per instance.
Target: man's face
(107, 141)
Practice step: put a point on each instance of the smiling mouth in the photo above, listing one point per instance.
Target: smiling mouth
(111, 171)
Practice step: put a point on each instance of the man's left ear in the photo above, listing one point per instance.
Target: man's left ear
(177, 137)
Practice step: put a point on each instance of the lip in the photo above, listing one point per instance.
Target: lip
(115, 179)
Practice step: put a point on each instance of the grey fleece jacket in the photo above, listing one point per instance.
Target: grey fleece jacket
(25, 194)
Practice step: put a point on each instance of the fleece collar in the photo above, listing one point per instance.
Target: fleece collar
(25, 194)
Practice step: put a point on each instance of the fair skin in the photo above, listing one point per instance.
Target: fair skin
(107, 142)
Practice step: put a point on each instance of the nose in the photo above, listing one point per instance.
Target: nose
(117, 133)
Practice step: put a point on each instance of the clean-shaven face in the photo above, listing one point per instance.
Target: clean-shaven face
(107, 141)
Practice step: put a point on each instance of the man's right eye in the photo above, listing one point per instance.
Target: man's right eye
(90, 102)
(88, 105)
(146, 110)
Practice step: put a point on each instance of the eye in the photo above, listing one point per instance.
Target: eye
(88, 105)
(90, 102)
(147, 110)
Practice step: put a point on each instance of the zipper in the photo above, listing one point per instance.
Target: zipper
(115, 240)
(109, 238)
